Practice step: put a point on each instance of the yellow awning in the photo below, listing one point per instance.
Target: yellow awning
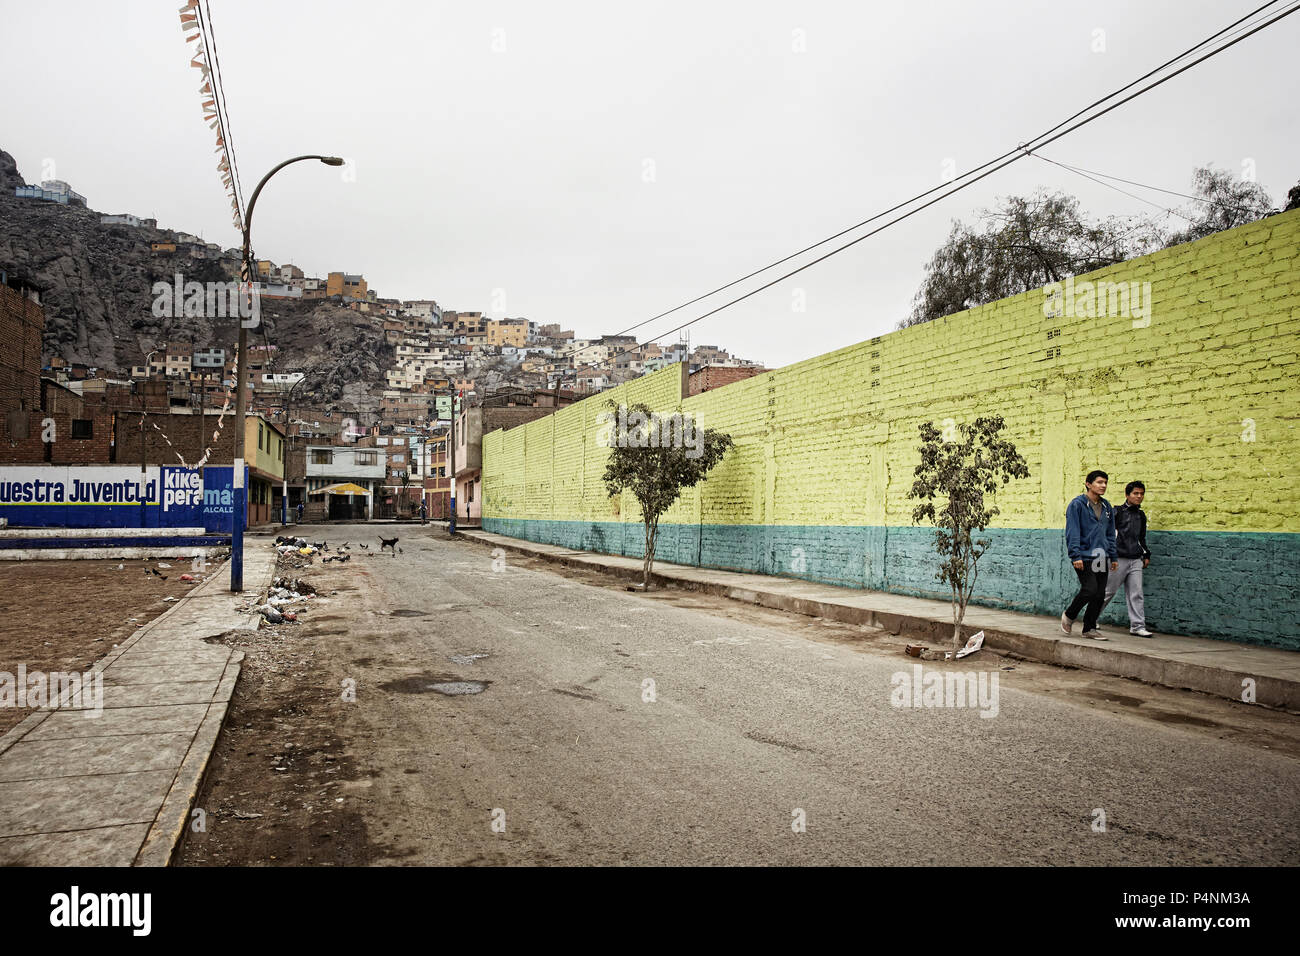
(345, 488)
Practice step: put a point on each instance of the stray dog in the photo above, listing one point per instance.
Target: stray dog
(388, 543)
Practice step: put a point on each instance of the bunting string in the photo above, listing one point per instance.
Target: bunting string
(198, 38)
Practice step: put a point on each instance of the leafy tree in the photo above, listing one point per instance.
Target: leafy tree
(1022, 244)
(952, 480)
(646, 459)
(1293, 198)
(1229, 202)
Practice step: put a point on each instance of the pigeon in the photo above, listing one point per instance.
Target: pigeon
(366, 546)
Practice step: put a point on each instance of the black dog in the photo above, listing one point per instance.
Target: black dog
(388, 543)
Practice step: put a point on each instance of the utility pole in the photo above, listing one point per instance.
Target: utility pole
(284, 475)
(451, 468)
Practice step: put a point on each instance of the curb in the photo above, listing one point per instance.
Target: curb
(1274, 692)
(173, 817)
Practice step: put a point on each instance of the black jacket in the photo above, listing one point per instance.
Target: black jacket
(1131, 532)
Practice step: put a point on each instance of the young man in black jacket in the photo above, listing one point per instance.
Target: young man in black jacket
(1134, 556)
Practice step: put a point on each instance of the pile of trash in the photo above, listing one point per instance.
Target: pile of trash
(288, 545)
(284, 600)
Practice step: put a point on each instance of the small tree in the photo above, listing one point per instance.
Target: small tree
(959, 466)
(405, 478)
(656, 457)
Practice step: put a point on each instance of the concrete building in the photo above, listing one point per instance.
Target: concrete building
(342, 481)
(51, 190)
(347, 285)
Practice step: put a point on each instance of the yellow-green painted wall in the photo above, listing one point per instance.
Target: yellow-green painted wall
(1195, 396)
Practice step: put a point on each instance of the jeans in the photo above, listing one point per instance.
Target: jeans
(1092, 594)
(1129, 577)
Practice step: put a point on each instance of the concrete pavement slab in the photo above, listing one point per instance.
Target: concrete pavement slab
(167, 692)
(80, 756)
(79, 803)
(102, 846)
(161, 719)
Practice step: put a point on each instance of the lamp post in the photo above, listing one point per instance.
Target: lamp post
(241, 381)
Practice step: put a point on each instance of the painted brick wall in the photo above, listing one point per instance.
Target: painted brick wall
(1194, 396)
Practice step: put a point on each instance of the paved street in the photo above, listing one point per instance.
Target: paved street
(752, 717)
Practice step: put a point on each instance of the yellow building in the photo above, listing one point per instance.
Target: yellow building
(264, 453)
(343, 283)
(507, 332)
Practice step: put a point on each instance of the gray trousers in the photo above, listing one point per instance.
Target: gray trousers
(1129, 576)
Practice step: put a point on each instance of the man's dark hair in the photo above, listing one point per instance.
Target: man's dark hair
(1094, 475)
(1128, 489)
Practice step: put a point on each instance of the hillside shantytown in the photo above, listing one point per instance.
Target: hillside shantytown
(972, 542)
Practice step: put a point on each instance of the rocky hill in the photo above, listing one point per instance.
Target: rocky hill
(97, 283)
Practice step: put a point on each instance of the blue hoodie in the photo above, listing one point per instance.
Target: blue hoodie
(1084, 534)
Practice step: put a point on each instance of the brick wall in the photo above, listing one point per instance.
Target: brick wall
(1195, 398)
(715, 376)
(22, 321)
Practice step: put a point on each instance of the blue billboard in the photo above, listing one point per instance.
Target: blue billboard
(118, 496)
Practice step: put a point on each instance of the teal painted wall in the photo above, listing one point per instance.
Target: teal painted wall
(1217, 584)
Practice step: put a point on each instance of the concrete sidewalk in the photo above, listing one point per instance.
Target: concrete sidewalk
(116, 789)
(1213, 667)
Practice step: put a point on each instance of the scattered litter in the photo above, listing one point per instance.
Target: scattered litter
(914, 650)
(121, 566)
(290, 616)
(244, 815)
(163, 564)
(187, 577)
(271, 615)
(169, 599)
(974, 644)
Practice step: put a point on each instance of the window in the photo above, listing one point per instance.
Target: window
(366, 458)
(82, 428)
(322, 456)
(259, 436)
(399, 459)
(399, 441)
(381, 441)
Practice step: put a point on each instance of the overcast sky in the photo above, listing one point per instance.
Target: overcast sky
(500, 152)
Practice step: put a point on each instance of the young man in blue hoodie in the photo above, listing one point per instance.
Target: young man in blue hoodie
(1090, 544)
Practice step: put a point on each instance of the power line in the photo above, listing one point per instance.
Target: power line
(1080, 172)
(1235, 25)
(1085, 172)
(1015, 155)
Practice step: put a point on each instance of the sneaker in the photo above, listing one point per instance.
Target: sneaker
(1066, 624)
(1141, 632)
(1095, 635)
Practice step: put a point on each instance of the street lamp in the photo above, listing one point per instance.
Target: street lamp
(241, 381)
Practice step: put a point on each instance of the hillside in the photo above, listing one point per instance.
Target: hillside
(97, 282)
